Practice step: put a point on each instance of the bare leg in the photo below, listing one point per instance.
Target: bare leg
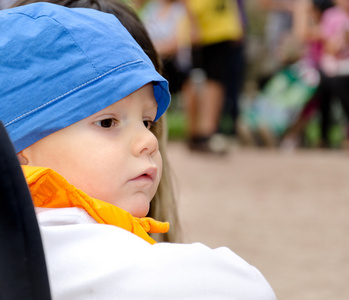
(204, 103)
(190, 97)
(210, 107)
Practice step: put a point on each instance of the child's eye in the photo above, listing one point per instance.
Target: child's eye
(148, 123)
(106, 123)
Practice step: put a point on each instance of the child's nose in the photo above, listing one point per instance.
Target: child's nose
(144, 142)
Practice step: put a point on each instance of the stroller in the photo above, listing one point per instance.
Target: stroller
(279, 103)
(23, 273)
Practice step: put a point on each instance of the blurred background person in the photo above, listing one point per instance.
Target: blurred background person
(335, 59)
(215, 26)
(236, 79)
(278, 27)
(167, 24)
(307, 21)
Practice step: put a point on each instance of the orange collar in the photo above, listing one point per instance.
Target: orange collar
(51, 190)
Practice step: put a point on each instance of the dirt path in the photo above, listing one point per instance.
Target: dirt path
(287, 214)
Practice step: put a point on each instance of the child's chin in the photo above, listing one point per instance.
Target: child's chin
(140, 207)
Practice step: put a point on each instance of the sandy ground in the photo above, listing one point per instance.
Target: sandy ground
(285, 213)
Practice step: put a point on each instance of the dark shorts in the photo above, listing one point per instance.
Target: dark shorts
(174, 75)
(214, 60)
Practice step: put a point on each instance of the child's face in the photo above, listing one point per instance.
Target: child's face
(111, 155)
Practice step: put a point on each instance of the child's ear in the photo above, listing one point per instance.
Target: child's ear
(22, 159)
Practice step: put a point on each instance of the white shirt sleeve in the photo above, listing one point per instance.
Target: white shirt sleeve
(94, 261)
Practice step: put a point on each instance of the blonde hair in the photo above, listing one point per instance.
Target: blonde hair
(164, 205)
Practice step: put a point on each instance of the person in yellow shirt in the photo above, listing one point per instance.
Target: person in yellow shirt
(215, 25)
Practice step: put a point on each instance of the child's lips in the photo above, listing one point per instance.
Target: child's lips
(148, 174)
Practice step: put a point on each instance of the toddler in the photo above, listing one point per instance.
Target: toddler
(78, 99)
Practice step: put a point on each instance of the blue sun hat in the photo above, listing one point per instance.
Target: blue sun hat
(60, 65)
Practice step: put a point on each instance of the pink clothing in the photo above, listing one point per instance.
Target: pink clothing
(313, 53)
(334, 27)
(335, 33)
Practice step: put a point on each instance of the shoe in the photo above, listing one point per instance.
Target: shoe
(215, 144)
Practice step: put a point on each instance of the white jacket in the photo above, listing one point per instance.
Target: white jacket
(88, 261)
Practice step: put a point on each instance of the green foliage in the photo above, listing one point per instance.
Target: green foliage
(313, 134)
(176, 124)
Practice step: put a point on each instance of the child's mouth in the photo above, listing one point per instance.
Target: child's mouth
(149, 174)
